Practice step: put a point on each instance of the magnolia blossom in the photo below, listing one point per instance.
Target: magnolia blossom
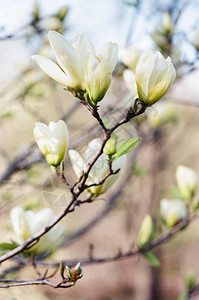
(28, 223)
(129, 56)
(78, 66)
(187, 181)
(52, 141)
(154, 76)
(99, 169)
(163, 113)
(172, 211)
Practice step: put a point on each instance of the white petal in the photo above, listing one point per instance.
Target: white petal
(15, 215)
(143, 72)
(42, 130)
(42, 219)
(83, 47)
(91, 65)
(109, 52)
(117, 164)
(102, 81)
(52, 69)
(130, 81)
(92, 150)
(66, 57)
(129, 56)
(77, 162)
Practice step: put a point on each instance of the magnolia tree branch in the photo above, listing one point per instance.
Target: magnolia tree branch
(81, 186)
(164, 238)
(13, 283)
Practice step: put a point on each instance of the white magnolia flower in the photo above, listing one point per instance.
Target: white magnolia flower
(173, 211)
(78, 66)
(154, 76)
(130, 81)
(52, 141)
(28, 223)
(99, 169)
(98, 71)
(129, 56)
(163, 113)
(187, 181)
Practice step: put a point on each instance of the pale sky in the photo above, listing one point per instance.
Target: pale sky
(100, 20)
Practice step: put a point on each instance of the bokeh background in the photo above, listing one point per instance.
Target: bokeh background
(111, 224)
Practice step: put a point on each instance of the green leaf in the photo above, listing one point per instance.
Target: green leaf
(8, 246)
(127, 146)
(152, 259)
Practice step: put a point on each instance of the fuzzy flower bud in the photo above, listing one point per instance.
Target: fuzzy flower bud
(154, 76)
(52, 141)
(172, 211)
(146, 232)
(187, 181)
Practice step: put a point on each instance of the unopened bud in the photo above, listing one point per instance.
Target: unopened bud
(76, 273)
(111, 145)
(146, 232)
(62, 13)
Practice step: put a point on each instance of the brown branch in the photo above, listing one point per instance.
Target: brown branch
(81, 187)
(164, 238)
(14, 283)
(193, 292)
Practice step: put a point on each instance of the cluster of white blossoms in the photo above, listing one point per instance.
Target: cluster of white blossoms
(79, 68)
(83, 72)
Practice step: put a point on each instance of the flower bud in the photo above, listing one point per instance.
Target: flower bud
(111, 145)
(98, 71)
(154, 76)
(52, 141)
(167, 22)
(62, 13)
(146, 232)
(172, 211)
(76, 273)
(129, 56)
(187, 181)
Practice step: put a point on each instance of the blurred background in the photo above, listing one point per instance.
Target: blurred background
(111, 224)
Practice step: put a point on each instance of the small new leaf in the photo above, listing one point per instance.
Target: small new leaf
(127, 146)
(4, 247)
(152, 259)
